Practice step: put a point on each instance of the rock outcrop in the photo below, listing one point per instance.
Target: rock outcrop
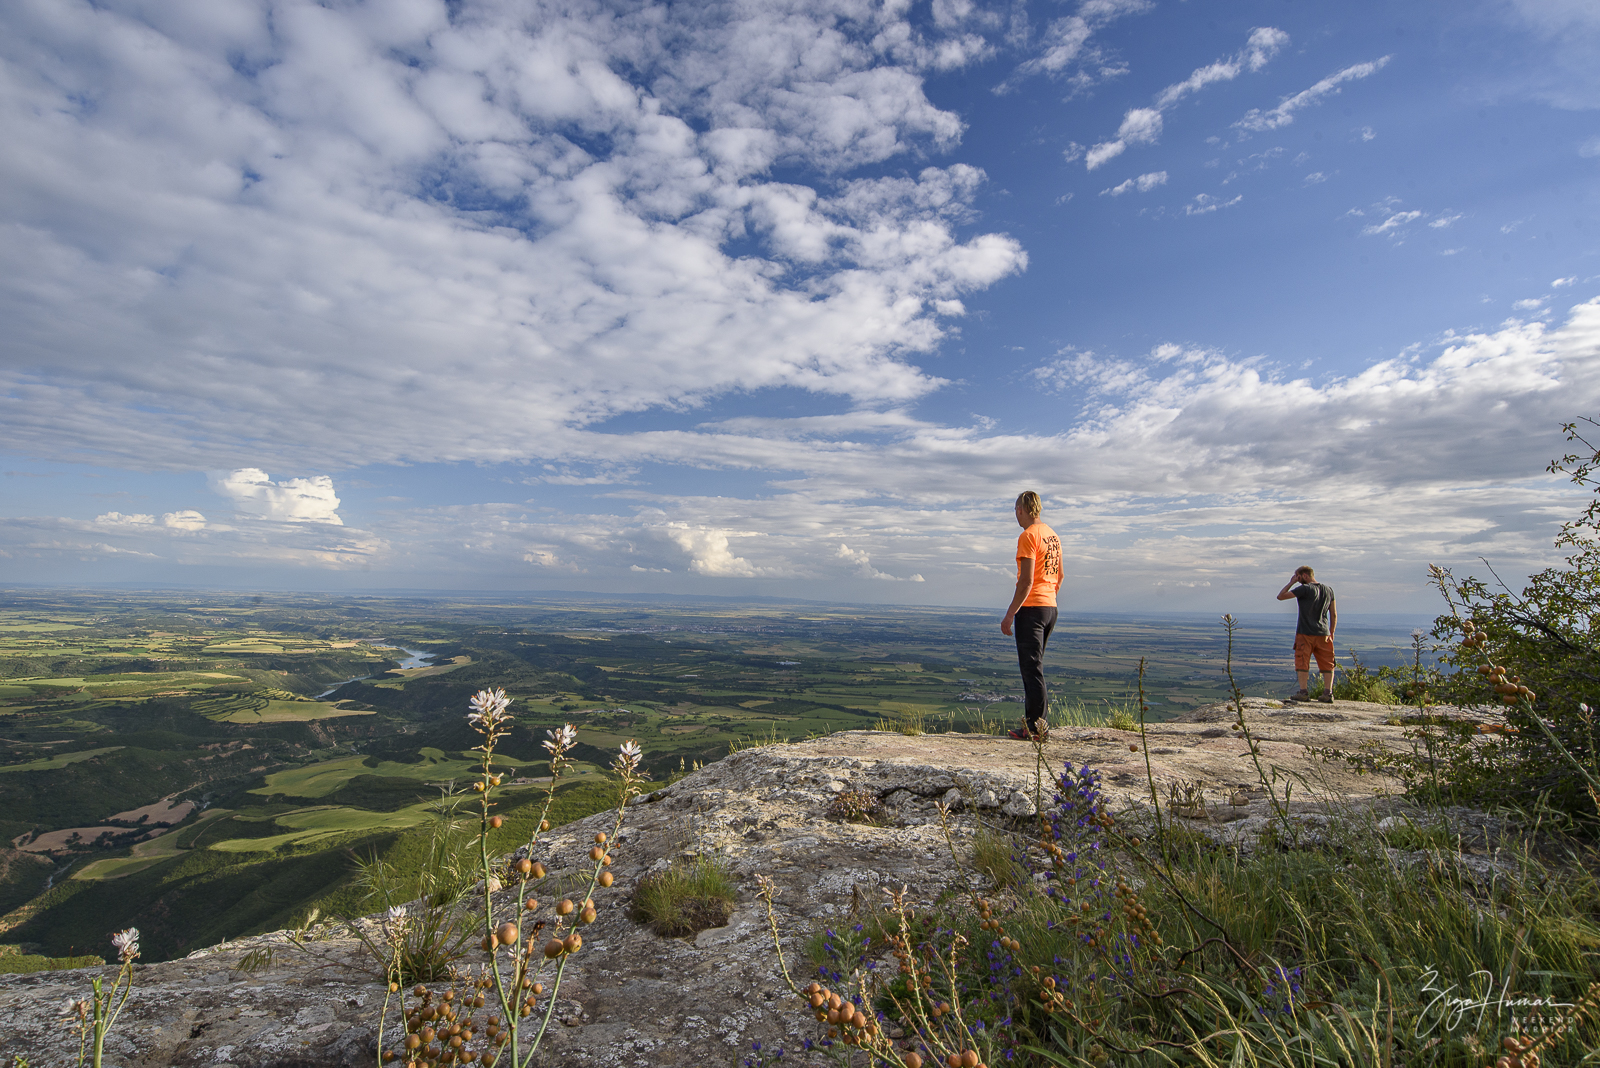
(633, 998)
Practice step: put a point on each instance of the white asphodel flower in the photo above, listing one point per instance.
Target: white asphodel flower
(561, 738)
(126, 943)
(397, 914)
(488, 708)
(629, 754)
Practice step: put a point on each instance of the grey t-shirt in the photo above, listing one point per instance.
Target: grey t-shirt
(1315, 599)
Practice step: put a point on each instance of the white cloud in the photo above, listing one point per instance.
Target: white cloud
(1314, 178)
(709, 553)
(184, 519)
(294, 500)
(1104, 152)
(1282, 115)
(862, 564)
(1205, 204)
(1185, 460)
(264, 232)
(1366, 133)
(1529, 303)
(1393, 223)
(1265, 42)
(1065, 48)
(1144, 183)
(1561, 283)
(1142, 126)
(1590, 148)
(1442, 221)
(117, 519)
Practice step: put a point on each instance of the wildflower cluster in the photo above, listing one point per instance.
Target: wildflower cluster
(527, 944)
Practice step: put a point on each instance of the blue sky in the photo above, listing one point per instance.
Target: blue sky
(791, 299)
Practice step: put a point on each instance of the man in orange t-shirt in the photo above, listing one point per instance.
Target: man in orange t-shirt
(1032, 612)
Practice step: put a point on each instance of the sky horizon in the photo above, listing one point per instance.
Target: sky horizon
(791, 300)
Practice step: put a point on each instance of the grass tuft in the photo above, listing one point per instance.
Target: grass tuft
(685, 898)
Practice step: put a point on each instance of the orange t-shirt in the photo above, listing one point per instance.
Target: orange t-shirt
(1040, 544)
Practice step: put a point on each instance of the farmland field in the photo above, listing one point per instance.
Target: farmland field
(303, 731)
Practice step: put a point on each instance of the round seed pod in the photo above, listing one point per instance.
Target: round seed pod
(597, 853)
(538, 870)
(600, 837)
(912, 1060)
(969, 1058)
(544, 825)
(587, 915)
(564, 907)
(606, 878)
(553, 948)
(495, 822)
(532, 904)
(538, 989)
(524, 866)
(413, 1041)
(507, 934)
(573, 942)
(859, 1019)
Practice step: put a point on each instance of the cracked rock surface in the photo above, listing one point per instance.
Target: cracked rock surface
(633, 998)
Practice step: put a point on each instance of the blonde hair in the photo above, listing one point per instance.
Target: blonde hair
(1029, 502)
(1306, 571)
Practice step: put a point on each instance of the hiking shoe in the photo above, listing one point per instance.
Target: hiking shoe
(1327, 697)
(1300, 695)
(1022, 734)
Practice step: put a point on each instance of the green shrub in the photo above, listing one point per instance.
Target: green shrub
(685, 898)
(1354, 683)
(1545, 641)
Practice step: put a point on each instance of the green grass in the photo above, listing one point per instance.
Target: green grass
(685, 898)
(52, 763)
(309, 825)
(23, 963)
(319, 780)
(291, 712)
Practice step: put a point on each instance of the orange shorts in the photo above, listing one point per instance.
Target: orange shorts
(1308, 645)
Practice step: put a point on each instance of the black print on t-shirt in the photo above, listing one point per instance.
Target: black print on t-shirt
(1052, 558)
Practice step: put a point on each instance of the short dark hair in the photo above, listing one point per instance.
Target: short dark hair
(1029, 502)
(1305, 569)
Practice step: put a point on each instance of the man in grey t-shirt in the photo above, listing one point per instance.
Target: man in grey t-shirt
(1313, 635)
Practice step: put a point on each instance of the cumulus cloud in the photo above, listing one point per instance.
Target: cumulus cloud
(1257, 120)
(235, 239)
(293, 500)
(1142, 126)
(1144, 183)
(709, 553)
(862, 563)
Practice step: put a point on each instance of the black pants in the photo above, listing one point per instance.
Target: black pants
(1032, 627)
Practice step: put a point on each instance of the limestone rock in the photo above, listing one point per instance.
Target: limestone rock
(632, 998)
